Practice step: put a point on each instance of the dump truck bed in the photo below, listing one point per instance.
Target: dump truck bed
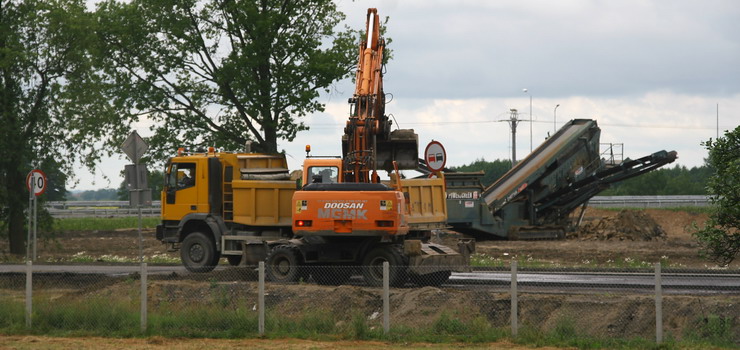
(427, 203)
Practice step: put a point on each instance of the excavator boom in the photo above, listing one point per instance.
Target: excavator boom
(368, 144)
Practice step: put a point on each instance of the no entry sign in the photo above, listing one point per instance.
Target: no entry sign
(36, 182)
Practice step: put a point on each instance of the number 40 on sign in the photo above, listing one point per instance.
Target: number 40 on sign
(36, 182)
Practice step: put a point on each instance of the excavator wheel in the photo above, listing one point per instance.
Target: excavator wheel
(372, 266)
(283, 264)
(434, 279)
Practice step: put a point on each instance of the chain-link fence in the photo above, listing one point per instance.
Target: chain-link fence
(387, 301)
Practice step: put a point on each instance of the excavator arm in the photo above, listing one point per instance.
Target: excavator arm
(368, 142)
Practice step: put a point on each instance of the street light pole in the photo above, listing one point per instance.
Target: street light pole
(530, 118)
(555, 120)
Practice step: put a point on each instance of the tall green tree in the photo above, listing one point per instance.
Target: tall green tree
(720, 236)
(50, 102)
(492, 170)
(223, 72)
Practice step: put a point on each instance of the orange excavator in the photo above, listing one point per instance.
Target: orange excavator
(341, 220)
(368, 142)
(345, 216)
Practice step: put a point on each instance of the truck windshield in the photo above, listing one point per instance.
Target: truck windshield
(323, 174)
(181, 175)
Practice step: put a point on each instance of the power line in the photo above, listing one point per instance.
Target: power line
(692, 127)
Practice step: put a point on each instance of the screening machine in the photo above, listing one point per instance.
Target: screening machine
(535, 198)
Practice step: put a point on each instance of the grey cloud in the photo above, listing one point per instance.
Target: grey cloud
(493, 49)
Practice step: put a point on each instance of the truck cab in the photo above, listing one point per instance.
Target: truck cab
(183, 192)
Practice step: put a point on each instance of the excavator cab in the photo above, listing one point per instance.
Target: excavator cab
(322, 170)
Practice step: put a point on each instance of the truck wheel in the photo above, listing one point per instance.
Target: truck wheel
(198, 253)
(283, 264)
(434, 279)
(372, 266)
(331, 275)
(234, 260)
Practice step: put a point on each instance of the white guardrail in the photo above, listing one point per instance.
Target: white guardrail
(122, 208)
(648, 201)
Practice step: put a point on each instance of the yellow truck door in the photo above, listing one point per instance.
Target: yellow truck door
(184, 180)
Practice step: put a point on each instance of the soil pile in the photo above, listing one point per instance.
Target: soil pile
(628, 225)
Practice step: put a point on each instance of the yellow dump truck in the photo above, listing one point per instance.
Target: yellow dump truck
(241, 206)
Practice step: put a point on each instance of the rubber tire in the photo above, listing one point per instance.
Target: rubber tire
(283, 264)
(234, 260)
(434, 279)
(198, 253)
(372, 266)
(331, 275)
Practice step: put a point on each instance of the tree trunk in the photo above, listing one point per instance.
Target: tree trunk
(270, 139)
(17, 199)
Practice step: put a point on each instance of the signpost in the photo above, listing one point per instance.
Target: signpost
(136, 179)
(36, 184)
(435, 156)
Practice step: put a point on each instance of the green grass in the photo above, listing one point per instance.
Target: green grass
(82, 257)
(89, 224)
(99, 316)
(485, 260)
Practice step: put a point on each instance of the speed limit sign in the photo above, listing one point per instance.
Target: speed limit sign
(36, 182)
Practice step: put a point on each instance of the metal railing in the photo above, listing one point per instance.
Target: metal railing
(648, 201)
(61, 209)
(651, 303)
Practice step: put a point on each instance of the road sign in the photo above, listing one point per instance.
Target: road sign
(36, 182)
(141, 197)
(435, 156)
(134, 147)
(136, 176)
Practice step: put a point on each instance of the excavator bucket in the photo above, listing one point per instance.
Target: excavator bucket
(402, 146)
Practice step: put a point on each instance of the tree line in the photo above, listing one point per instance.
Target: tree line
(667, 181)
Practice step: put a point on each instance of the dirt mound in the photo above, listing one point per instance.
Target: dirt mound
(627, 225)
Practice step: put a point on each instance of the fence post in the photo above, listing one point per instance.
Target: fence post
(386, 298)
(658, 304)
(261, 299)
(514, 301)
(29, 292)
(144, 299)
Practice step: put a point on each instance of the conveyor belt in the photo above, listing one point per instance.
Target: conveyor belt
(530, 167)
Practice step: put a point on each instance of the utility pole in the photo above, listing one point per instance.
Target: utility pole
(513, 122)
(530, 118)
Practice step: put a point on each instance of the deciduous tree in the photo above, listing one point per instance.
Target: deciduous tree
(720, 236)
(50, 102)
(223, 72)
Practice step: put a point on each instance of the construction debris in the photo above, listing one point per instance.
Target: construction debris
(628, 225)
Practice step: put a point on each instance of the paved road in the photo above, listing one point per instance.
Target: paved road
(725, 283)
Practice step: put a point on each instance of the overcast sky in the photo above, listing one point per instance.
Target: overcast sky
(651, 73)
